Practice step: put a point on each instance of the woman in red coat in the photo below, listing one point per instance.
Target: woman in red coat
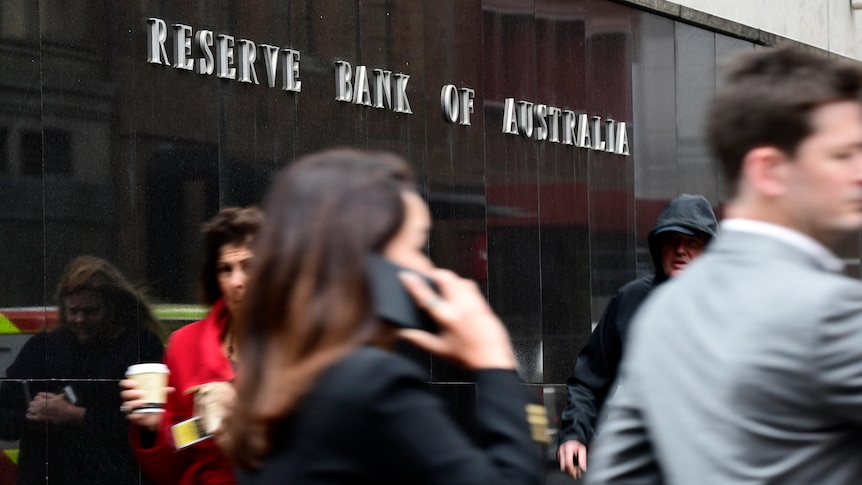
(198, 354)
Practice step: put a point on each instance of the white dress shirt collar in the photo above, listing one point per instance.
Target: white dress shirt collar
(819, 252)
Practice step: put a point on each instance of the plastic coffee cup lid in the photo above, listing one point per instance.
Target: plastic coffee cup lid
(145, 368)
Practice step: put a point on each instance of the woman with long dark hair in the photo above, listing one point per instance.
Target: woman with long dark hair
(321, 397)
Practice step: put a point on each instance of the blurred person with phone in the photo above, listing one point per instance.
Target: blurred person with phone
(322, 398)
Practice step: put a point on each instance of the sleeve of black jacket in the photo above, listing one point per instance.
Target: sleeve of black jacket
(595, 371)
(14, 400)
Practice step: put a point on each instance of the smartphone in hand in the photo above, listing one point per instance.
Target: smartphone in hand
(393, 304)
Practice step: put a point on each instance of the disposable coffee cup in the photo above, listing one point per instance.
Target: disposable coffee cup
(153, 380)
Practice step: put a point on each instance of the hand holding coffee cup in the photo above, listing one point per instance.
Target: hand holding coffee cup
(136, 396)
(152, 379)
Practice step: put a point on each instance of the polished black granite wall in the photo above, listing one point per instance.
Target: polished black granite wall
(104, 153)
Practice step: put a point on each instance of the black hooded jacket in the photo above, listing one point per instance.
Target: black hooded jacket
(596, 366)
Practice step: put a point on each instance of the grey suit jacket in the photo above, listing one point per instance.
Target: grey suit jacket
(745, 369)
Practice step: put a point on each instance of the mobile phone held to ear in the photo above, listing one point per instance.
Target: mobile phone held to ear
(394, 305)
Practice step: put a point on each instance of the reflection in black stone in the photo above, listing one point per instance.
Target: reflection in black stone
(61, 398)
(182, 189)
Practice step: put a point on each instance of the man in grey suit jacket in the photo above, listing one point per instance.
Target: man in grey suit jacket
(747, 369)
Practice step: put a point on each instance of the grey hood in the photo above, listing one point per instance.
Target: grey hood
(687, 214)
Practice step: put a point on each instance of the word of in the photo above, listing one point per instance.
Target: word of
(457, 104)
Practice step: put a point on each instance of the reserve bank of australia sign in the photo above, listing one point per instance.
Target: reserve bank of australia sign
(208, 53)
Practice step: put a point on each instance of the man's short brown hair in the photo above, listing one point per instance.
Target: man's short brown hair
(767, 98)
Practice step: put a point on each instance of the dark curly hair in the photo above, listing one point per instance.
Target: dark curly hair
(232, 226)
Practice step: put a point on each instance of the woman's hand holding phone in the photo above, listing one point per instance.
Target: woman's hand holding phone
(469, 332)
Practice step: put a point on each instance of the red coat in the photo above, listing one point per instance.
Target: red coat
(194, 357)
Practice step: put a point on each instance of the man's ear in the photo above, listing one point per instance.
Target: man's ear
(766, 170)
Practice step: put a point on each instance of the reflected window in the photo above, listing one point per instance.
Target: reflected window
(47, 152)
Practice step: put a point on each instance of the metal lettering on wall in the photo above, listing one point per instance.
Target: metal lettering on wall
(355, 88)
(549, 123)
(232, 59)
(236, 59)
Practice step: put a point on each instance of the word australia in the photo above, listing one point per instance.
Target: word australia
(221, 54)
(556, 125)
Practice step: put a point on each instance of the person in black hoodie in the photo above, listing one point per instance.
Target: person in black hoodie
(682, 231)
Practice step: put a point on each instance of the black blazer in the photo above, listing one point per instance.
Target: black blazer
(371, 418)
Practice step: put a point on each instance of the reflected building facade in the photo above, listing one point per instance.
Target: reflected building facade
(111, 145)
